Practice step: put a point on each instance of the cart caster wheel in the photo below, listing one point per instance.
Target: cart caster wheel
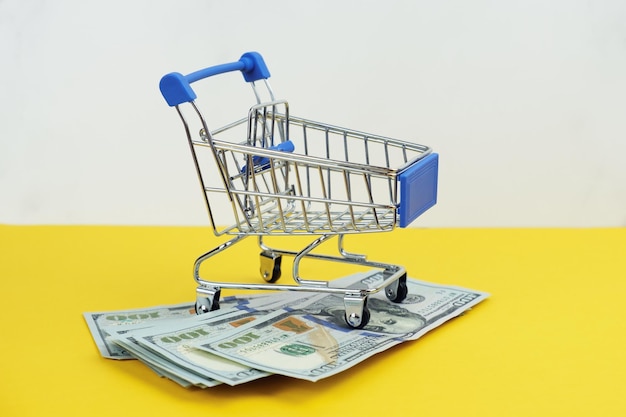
(365, 318)
(398, 294)
(270, 266)
(204, 305)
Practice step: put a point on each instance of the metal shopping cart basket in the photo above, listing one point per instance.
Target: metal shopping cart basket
(285, 175)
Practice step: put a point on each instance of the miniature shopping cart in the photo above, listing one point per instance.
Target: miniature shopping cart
(283, 175)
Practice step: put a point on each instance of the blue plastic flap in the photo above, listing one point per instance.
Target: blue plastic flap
(260, 163)
(418, 188)
(176, 88)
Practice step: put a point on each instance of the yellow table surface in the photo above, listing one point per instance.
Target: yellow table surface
(549, 341)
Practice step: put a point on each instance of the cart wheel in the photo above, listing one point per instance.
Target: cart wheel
(270, 266)
(204, 305)
(364, 319)
(400, 292)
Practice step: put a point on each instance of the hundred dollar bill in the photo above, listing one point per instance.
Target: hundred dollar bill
(290, 343)
(123, 337)
(176, 365)
(158, 365)
(426, 305)
(103, 324)
(311, 341)
(171, 343)
(170, 367)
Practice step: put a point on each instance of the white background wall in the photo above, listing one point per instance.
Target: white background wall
(524, 100)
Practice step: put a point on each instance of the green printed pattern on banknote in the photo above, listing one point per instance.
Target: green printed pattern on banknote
(311, 340)
(292, 344)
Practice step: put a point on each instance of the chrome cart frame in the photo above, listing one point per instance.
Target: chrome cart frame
(287, 176)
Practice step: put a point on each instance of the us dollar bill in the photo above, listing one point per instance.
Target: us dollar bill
(311, 340)
(169, 346)
(300, 334)
(426, 306)
(103, 324)
(160, 366)
(290, 343)
(164, 345)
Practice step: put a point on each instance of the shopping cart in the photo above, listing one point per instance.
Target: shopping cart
(288, 176)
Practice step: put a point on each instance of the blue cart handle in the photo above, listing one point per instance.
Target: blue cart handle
(176, 88)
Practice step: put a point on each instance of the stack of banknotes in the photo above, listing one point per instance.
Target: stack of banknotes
(293, 333)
